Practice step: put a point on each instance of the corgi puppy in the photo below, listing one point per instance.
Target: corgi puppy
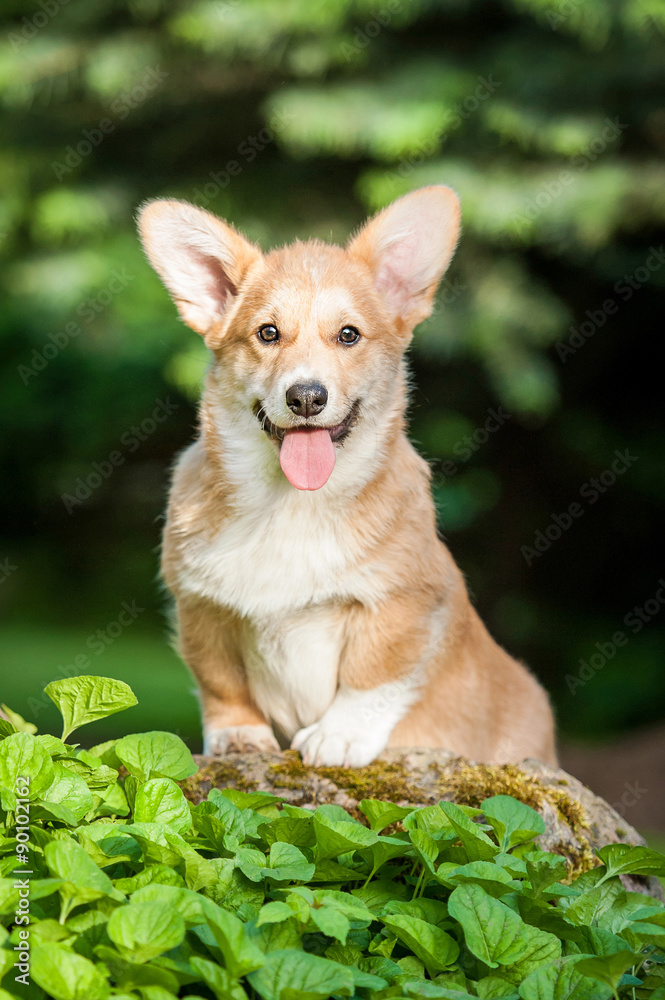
(316, 606)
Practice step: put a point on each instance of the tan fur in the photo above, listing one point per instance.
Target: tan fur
(387, 589)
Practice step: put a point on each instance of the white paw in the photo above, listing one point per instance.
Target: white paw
(243, 738)
(326, 745)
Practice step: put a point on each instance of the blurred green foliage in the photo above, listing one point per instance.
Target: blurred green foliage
(298, 117)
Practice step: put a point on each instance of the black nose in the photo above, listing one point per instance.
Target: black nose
(306, 399)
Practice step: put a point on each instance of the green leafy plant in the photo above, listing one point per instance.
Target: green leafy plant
(136, 893)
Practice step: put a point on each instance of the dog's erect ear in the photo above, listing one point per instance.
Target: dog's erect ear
(200, 259)
(408, 246)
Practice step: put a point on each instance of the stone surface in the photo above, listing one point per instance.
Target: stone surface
(577, 821)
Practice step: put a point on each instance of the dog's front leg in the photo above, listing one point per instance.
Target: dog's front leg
(208, 638)
(380, 678)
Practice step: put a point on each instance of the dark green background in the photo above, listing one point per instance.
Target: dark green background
(548, 119)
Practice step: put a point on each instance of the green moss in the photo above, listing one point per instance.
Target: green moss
(217, 774)
(379, 780)
(471, 784)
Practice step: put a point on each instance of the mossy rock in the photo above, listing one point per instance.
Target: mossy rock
(577, 821)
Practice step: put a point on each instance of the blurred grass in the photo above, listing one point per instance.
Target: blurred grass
(142, 658)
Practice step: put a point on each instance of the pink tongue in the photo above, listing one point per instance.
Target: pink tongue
(307, 458)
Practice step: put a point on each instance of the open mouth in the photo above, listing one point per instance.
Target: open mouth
(307, 451)
(337, 433)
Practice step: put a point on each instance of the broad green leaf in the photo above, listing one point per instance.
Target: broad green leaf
(431, 820)
(288, 864)
(426, 847)
(54, 746)
(197, 871)
(222, 984)
(274, 913)
(106, 753)
(7, 959)
(241, 955)
(275, 937)
(494, 880)
(144, 977)
(590, 907)
(540, 949)
(336, 837)
(285, 863)
(97, 777)
(383, 967)
(39, 889)
(331, 871)
(429, 943)
(161, 800)
(257, 801)
(597, 941)
(193, 906)
(70, 790)
(330, 810)
(345, 902)
(382, 814)
(300, 899)
(492, 931)
(64, 975)
(434, 911)
(491, 988)
(155, 755)
(621, 859)
(331, 922)
(513, 821)
(379, 892)
(99, 856)
(624, 909)
(83, 881)
(608, 969)
(385, 849)
(53, 811)
(297, 975)
(548, 918)
(511, 863)
(478, 845)
(154, 874)
(207, 824)
(291, 829)
(86, 698)
(142, 931)
(562, 980)
(112, 801)
(427, 988)
(231, 889)
(543, 870)
(26, 769)
(230, 816)
(108, 841)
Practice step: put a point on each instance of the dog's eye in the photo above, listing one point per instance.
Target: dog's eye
(348, 335)
(268, 333)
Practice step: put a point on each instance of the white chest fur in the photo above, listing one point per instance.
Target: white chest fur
(292, 666)
(274, 558)
(284, 566)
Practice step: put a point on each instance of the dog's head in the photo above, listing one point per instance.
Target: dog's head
(307, 339)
